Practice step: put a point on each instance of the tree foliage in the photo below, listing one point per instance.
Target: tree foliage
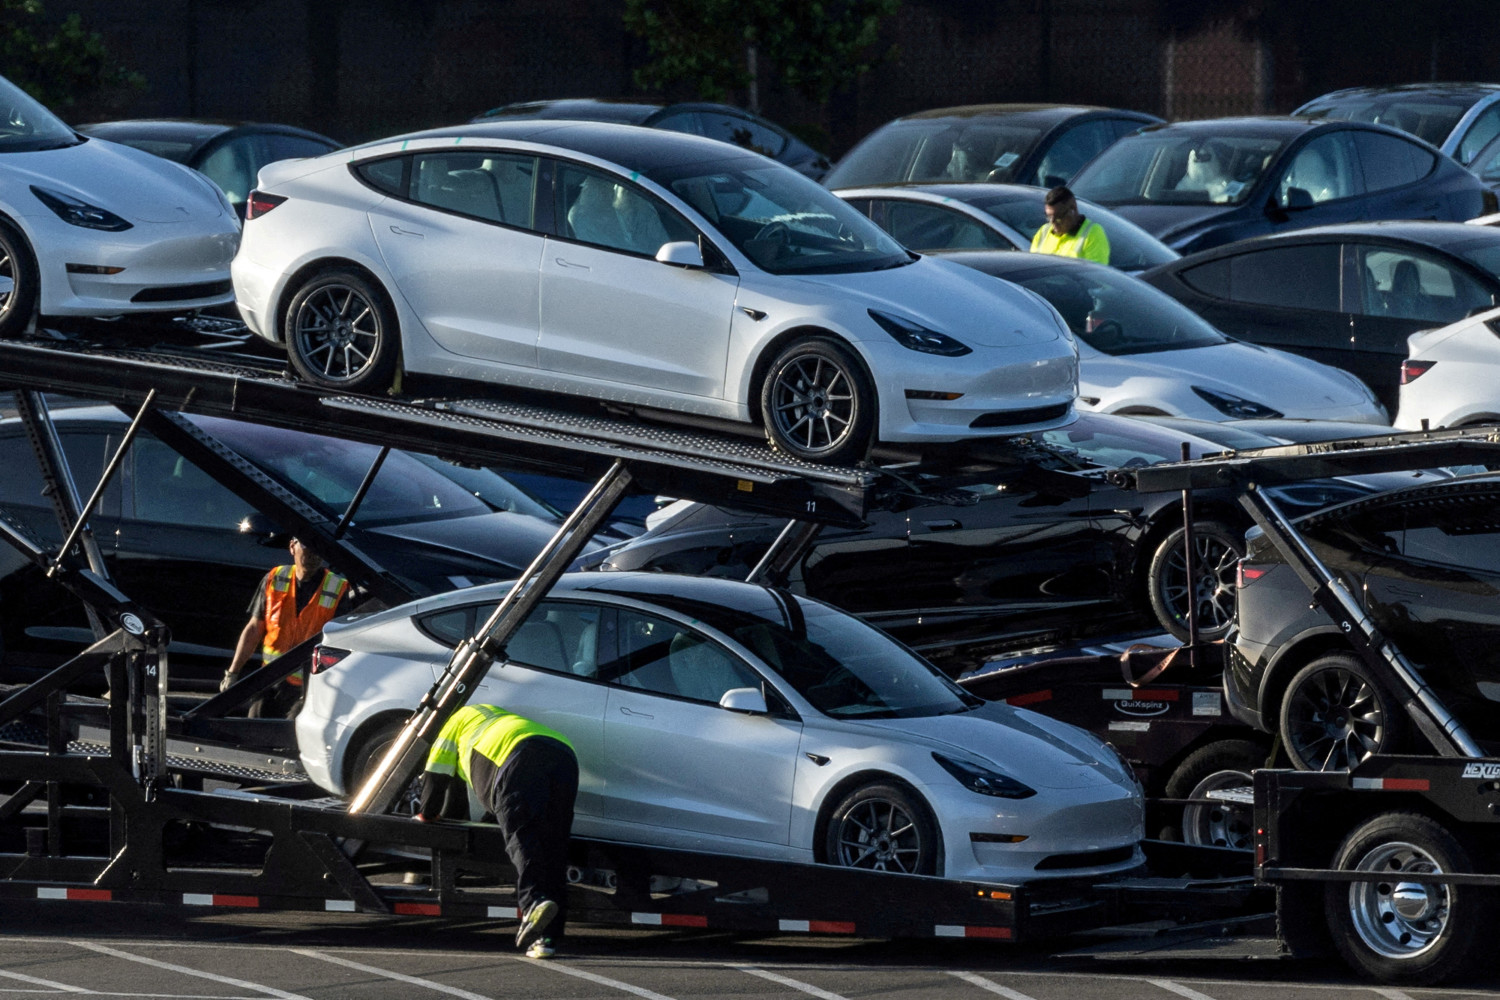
(58, 63)
(817, 46)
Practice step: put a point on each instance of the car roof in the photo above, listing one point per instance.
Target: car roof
(1274, 126)
(965, 191)
(1471, 89)
(1026, 114)
(630, 146)
(1003, 262)
(1439, 235)
(626, 112)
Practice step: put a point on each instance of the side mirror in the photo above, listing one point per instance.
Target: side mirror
(748, 700)
(682, 254)
(1298, 198)
(260, 527)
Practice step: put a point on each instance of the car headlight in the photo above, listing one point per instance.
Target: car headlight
(983, 780)
(917, 337)
(1234, 406)
(1124, 762)
(79, 213)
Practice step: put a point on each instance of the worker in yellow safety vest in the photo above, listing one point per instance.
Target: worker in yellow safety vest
(1069, 233)
(487, 761)
(292, 605)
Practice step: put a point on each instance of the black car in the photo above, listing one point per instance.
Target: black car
(1424, 564)
(171, 536)
(1041, 144)
(229, 153)
(715, 121)
(1201, 184)
(1457, 118)
(1050, 553)
(1348, 296)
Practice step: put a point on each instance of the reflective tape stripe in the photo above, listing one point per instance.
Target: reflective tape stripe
(1030, 698)
(1393, 784)
(1138, 694)
(94, 895)
(961, 931)
(339, 905)
(817, 926)
(502, 913)
(216, 899)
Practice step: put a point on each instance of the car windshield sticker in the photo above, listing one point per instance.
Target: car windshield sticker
(1007, 159)
(1206, 703)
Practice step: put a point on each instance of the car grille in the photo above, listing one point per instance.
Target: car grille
(1087, 859)
(181, 293)
(1011, 418)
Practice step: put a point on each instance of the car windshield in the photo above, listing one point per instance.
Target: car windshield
(1482, 253)
(1169, 167)
(937, 150)
(1115, 313)
(1113, 442)
(784, 222)
(1428, 116)
(843, 667)
(1131, 248)
(327, 473)
(27, 126)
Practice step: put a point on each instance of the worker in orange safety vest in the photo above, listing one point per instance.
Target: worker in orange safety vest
(292, 605)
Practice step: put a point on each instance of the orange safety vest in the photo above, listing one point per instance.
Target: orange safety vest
(285, 626)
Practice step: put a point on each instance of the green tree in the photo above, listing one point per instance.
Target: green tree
(62, 63)
(717, 46)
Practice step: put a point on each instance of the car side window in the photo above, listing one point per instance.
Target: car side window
(168, 489)
(741, 131)
(1389, 161)
(233, 168)
(288, 147)
(1075, 147)
(1461, 532)
(388, 176)
(489, 186)
(1405, 285)
(922, 226)
(597, 208)
(559, 636)
(1211, 278)
(1323, 170)
(670, 659)
(1295, 277)
(1484, 128)
(21, 485)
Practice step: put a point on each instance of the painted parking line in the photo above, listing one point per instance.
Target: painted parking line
(1390, 994)
(988, 984)
(226, 980)
(555, 966)
(400, 977)
(1179, 989)
(795, 984)
(34, 981)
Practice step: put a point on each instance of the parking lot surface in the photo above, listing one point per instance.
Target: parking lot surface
(131, 951)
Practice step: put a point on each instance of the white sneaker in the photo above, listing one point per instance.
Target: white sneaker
(541, 948)
(535, 921)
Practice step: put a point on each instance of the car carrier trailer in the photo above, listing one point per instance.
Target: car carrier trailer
(153, 815)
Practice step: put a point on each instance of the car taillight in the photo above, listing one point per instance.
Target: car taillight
(324, 657)
(1245, 575)
(1413, 370)
(259, 203)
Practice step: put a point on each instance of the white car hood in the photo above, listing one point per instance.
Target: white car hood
(136, 186)
(1280, 380)
(976, 308)
(1034, 750)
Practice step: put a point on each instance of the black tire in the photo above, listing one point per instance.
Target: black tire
(817, 404)
(371, 751)
(19, 282)
(341, 333)
(1407, 932)
(882, 828)
(1334, 715)
(1225, 764)
(1216, 551)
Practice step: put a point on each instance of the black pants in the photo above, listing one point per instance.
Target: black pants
(531, 796)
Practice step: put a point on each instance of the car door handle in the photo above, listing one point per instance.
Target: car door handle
(407, 232)
(632, 712)
(569, 263)
(945, 525)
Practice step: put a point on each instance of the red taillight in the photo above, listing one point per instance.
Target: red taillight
(324, 657)
(1244, 575)
(259, 203)
(1413, 370)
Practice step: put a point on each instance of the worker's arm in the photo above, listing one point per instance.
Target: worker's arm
(250, 640)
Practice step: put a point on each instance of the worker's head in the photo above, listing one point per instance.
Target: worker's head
(1062, 209)
(304, 558)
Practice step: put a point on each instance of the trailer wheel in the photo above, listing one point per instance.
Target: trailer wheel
(1216, 551)
(18, 281)
(1225, 764)
(1334, 715)
(370, 754)
(341, 332)
(817, 403)
(1402, 931)
(883, 828)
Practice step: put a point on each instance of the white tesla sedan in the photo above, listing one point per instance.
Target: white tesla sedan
(1143, 352)
(645, 268)
(719, 716)
(1451, 375)
(91, 228)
